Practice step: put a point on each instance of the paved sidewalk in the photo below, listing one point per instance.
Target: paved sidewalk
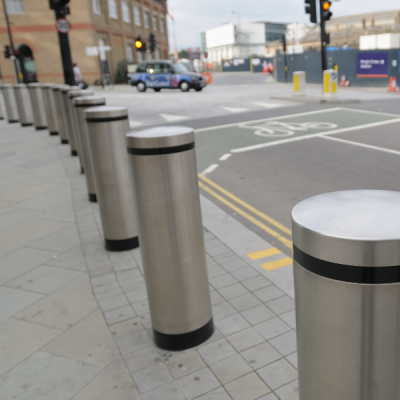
(74, 319)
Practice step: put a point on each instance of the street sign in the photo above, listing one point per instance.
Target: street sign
(62, 25)
(92, 51)
(373, 65)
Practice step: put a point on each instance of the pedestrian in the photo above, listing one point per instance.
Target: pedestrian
(78, 77)
(271, 68)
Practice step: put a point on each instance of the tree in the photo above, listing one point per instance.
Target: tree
(183, 54)
(121, 75)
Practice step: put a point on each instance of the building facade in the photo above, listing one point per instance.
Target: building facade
(113, 23)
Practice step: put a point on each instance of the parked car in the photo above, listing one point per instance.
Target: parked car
(165, 74)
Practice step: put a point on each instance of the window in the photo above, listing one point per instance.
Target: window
(96, 6)
(112, 9)
(146, 19)
(136, 13)
(154, 23)
(161, 25)
(129, 52)
(15, 6)
(126, 16)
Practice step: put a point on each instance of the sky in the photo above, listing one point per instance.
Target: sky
(195, 16)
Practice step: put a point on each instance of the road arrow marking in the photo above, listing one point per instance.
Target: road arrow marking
(234, 110)
(269, 105)
(173, 118)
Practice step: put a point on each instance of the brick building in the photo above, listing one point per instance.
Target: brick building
(114, 23)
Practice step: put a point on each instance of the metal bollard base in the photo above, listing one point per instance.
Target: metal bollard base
(27, 124)
(41, 128)
(82, 171)
(53, 133)
(92, 198)
(64, 141)
(74, 153)
(184, 341)
(13, 121)
(122, 245)
(1, 118)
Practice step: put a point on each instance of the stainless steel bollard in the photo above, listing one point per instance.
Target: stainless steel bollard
(80, 105)
(39, 113)
(347, 287)
(2, 111)
(67, 123)
(23, 104)
(10, 103)
(59, 112)
(106, 129)
(71, 115)
(50, 108)
(163, 163)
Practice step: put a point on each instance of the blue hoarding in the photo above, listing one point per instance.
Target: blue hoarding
(373, 65)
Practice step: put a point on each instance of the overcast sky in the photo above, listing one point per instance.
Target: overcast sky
(195, 16)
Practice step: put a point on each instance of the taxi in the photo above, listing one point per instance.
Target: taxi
(165, 74)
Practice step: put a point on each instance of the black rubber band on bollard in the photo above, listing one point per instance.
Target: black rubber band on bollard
(161, 150)
(53, 133)
(64, 141)
(92, 198)
(185, 340)
(74, 153)
(347, 273)
(41, 128)
(82, 171)
(13, 121)
(121, 118)
(121, 245)
(27, 124)
(88, 105)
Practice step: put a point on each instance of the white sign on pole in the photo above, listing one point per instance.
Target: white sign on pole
(92, 51)
(62, 25)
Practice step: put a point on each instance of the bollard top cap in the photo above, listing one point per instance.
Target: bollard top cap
(34, 84)
(19, 85)
(66, 88)
(89, 101)
(48, 85)
(106, 114)
(354, 227)
(160, 137)
(79, 93)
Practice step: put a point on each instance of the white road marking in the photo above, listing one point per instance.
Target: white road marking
(225, 157)
(173, 118)
(234, 110)
(211, 168)
(367, 146)
(372, 112)
(296, 139)
(269, 105)
(211, 128)
(134, 124)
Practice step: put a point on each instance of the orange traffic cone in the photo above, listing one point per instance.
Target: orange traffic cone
(392, 84)
(343, 81)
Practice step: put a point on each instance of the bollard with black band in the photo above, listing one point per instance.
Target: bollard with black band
(39, 112)
(10, 103)
(163, 164)
(59, 112)
(23, 104)
(50, 108)
(65, 111)
(106, 127)
(347, 289)
(80, 105)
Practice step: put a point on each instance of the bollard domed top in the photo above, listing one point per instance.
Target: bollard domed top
(86, 101)
(354, 227)
(79, 93)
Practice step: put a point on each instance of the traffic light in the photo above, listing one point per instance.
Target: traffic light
(152, 41)
(327, 38)
(57, 4)
(7, 53)
(140, 46)
(284, 43)
(311, 8)
(326, 10)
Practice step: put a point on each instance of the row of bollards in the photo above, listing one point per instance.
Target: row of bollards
(146, 186)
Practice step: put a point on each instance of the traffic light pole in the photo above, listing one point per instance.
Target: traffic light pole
(323, 46)
(12, 52)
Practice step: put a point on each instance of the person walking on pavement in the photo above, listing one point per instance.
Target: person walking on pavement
(79, 78)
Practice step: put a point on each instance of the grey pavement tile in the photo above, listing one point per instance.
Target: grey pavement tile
(108, 294)
(230, 369)
(208, 236)
(217, 250)
(272, 328)
(113, 383)
(293, 360)
(137, 295)
(103, 280)
(285, 344)
(245, 339)
(14, 300)
(232, 324)
(212, 242)
(223, 310)
(127, 274)
(261, 355)
(10, 216)
(141, 307)
(64, 307)
(20, 339)
(111, 303)
(258, 314)
(143, 358)
(72, 259)
(248, 387)
(20, 261)
(215, 270)
(234, 265)
(222, 281)
(289, 318)
(152, 377)
(289, 392)
(128, 343)
(170, 391)
(46, 375)
(62, 213)
(89, 341)
(198, 383)
(107, 288)
(185, 364)
(282, 305)
(216, 298)
(245, 302)
(216, 351)
(119, 314)
(145, 320)
(245, 274)
(256, 283)
(217, 394)
(269, 293)
(232, 291)
(223, 258)
(44, 279)
(61, 241)
(278, 374)
(270, 396)
(123, 265)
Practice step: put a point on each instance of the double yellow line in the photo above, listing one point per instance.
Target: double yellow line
(205, 184)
